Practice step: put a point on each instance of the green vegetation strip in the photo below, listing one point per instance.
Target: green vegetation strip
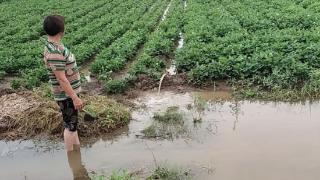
(267, 45)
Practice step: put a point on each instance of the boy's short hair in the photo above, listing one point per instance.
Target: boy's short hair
(53, 24)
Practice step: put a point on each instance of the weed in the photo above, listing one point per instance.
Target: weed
(150, 131)
(167, 125)
(116, 86)
(44, 91)
(35, 77)
(172, 115)
(98, 177)
(16, 83)
(116, 175)
(165, 173)
(121, 175)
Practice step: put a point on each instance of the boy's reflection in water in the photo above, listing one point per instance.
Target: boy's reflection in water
(78, 170)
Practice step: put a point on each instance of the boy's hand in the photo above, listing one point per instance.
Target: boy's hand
(78, 104)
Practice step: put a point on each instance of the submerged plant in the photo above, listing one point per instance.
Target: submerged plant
(172, 115)
(167, 125)
(198, 107)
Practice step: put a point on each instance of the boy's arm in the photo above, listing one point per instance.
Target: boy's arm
(57, 63)
(66, 86)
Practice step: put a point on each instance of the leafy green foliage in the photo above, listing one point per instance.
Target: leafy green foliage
(116, 86)
(16, 83)
(273, 45)
(34, 77)
(91, 27)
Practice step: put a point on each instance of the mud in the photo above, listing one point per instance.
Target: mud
(146, 83)
(92, 87)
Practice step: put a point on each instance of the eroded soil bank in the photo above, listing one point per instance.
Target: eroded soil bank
(230, 140)
(28, 114)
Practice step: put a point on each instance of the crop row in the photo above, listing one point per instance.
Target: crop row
(115, 57)
(28, 57)
(123, 20)
(32, 27)
(74, 37)
(275, 53)
(20, 56)
(159, 46)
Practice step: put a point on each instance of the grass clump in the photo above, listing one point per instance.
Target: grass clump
(165, 173)
(172, 115)
(167, 125)
(198, 107)
(16, 83)
(116, 86)
(121, 175)
(116, 175)
(110, 114)
(151, 131)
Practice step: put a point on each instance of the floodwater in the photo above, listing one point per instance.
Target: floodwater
(235, 140)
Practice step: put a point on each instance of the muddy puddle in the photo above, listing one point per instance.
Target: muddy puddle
(220, 138)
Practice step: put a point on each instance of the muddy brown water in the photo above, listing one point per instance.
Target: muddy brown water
(235, 141)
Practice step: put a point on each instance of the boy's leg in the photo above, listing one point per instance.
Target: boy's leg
(70, 139)
(76, 139)
(67, 140)
(78, 169)
(70, 118)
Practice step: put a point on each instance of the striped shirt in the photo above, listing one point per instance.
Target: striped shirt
(58, 58)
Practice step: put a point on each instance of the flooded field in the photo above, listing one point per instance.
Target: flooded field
(218, 138)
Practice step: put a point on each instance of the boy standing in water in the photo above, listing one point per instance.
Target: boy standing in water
(64, 77)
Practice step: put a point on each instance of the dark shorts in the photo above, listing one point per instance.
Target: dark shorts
(69, 114)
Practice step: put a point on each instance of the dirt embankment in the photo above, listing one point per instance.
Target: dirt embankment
(145, 82)
(26, 115)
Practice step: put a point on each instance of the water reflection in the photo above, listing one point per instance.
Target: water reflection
(78, 169)
(235, 111)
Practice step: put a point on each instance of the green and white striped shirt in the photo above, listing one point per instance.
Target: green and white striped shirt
(58, 58)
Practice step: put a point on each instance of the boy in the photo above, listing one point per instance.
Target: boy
(64, 77)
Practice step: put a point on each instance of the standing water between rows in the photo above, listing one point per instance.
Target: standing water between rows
(220, 138)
